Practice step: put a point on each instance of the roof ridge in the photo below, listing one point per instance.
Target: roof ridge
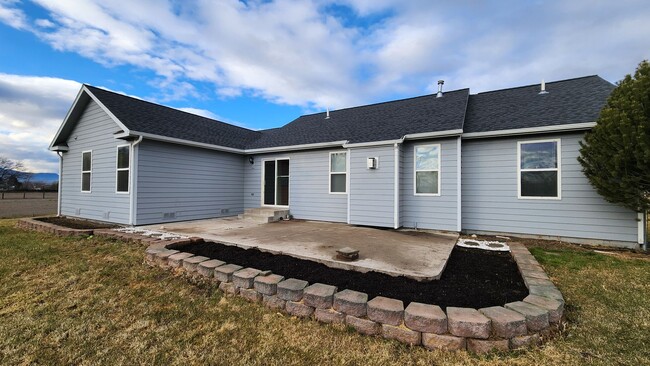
(379, 103)
(547, 83)
(168, 107)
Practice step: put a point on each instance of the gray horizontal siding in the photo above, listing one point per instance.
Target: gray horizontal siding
(94, 131)
(189, 182)
(490, 203)
(372, 197)
(309, 196)
(430, 212)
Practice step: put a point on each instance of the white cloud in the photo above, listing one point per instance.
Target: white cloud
(295, 52)
(11, 15)
(44, 23)
(31, 111)
(199, 112)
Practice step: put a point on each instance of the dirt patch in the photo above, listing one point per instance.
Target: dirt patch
(473, 278)
(76, 223)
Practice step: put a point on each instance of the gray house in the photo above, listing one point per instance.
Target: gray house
(496, 162)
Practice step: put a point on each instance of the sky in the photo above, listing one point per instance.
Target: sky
(260, 64)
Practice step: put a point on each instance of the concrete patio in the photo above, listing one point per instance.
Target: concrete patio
(419, 255)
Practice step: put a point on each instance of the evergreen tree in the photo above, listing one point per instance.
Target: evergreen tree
(615, 154)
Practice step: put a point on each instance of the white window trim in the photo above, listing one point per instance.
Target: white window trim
(90, 185)
(275, 182)
(329, 170)
(558, 169)
(415, 171)
(128, 186)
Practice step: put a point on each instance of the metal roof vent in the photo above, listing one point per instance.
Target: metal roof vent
(543, 88)
(327, 115)
(440, 83)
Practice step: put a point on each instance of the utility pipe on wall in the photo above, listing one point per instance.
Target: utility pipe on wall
(132, 180)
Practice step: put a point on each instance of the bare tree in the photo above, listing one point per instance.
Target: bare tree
(11, 171)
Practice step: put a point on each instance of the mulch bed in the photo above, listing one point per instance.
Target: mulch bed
(473, 278)
(76, 223)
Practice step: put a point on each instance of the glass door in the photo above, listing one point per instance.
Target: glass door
(276, 182)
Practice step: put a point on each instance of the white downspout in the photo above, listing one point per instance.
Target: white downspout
(396, 188)
(133, 180)
(58, 204)
(459, 203)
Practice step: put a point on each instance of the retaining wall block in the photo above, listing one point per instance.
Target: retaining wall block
(267, 285)
(351, 302)
(299, 309)
(546, 291)
(329, 316)
(161, 257)
(506, 323)
(319, 295)
(363, 326)
(525, 341)
(555, 308)
(224, 273)
(291, 289)
(245, 278)
(402, 334)
(176, 260)
(250, 294)
(229, 288)
(191, 264)
(386, 310)
(150, 255)
(425, 318)
(443, 341)
(485, 345)
(206, 269)
(536, 317)
(273, 302)
(466, 322)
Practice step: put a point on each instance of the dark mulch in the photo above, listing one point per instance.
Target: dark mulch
(76, 223)
(473, 278)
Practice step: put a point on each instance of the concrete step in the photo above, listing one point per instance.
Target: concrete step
(257, 218)
(264, 214)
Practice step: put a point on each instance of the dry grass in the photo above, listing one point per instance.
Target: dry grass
(91, 301)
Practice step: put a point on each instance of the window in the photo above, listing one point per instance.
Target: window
(338, 172)
(86, 170)
(427, 170)
(539, 169)
(123, 162)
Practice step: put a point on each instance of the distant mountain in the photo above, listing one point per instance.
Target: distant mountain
(42, 177)
(45, 177)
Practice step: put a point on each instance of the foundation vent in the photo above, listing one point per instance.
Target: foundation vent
(169, 215)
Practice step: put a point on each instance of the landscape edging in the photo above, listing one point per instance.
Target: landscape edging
(471, 330)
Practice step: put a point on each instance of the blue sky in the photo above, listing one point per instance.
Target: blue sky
(260, 64)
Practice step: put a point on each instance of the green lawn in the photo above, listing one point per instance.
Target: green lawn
(93, 301)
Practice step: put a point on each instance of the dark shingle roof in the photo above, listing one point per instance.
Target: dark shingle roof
(375, 122)
(568, 101)
(142, 116)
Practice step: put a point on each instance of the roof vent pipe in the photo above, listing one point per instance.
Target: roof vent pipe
(327, 115)
(543, 88)
(440, 83)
